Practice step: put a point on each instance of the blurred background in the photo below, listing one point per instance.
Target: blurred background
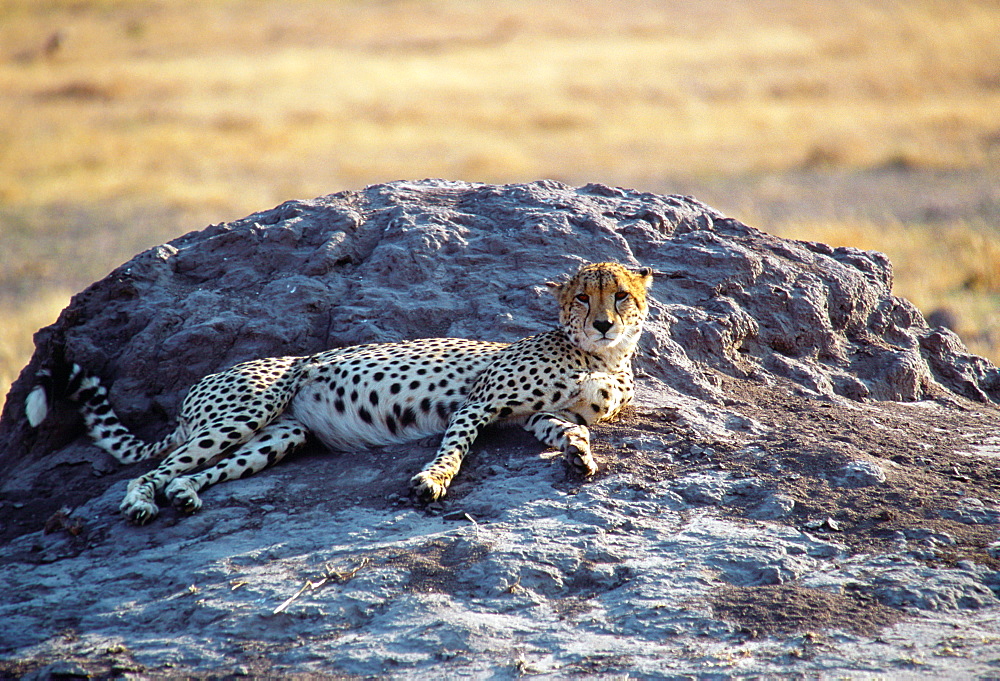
(869, 123)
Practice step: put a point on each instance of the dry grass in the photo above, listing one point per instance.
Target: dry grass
(277, 99)
(153, 118)
(20, 322)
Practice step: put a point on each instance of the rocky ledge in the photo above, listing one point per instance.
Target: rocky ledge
(807, 484)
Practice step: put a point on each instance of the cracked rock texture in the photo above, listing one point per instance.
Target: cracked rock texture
(809, 464)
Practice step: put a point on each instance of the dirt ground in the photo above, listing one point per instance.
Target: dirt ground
(924, 448)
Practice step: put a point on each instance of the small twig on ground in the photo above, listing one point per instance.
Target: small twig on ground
(331, 574)
(308, 586)
(475, 525)
(341, 577)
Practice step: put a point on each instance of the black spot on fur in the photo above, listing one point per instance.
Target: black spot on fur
(365, 416)
(408, 417)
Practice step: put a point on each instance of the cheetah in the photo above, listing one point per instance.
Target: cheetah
(237, 422)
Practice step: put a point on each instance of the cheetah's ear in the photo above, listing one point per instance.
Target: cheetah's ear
(646, 273)
(555, 286)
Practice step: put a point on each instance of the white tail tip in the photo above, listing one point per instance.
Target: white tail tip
(36, 406)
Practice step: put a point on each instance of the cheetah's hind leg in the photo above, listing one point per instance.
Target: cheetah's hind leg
(200, 448)
(266, 448)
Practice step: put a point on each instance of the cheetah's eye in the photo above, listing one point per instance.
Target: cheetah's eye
(583, 298)
(620, 296)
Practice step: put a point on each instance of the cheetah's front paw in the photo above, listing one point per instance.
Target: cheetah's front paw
(580, 459)
(183, 494)
(139, 505)
(428, 486)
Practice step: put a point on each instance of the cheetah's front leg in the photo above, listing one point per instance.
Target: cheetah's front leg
(432, 482)
(572, 439)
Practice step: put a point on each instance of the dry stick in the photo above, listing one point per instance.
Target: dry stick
(305, 587)
(475, 525)
(339, 577)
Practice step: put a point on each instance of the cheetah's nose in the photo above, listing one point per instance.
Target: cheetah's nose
(602, 325)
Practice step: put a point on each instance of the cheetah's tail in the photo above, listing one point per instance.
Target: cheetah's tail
(51, 384)
(104, 426)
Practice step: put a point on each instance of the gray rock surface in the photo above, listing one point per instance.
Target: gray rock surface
(859, 474)
(802, 443)
(774, 506)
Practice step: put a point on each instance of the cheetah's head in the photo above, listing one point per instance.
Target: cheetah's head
(603, 306)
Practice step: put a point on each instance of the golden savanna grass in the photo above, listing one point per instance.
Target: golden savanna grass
(125, 123)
